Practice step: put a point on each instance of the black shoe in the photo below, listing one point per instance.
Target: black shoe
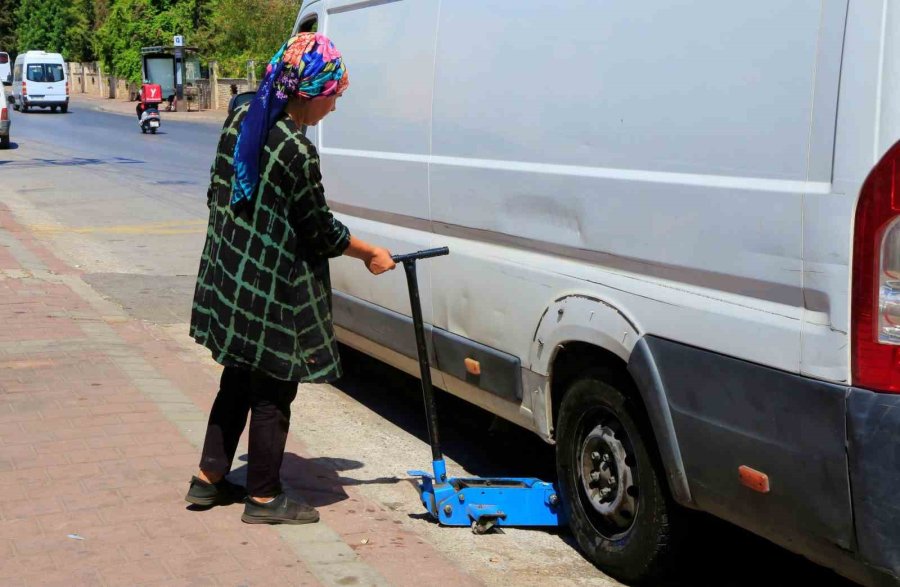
(281, 510)
(222, 492)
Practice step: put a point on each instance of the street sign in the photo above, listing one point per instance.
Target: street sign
(178, 41)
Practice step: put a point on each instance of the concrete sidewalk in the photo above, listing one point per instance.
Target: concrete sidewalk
(101, 421)
(125, 107)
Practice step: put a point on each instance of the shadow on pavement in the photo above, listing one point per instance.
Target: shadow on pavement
(319, 481)
(722, 555)
(477, 440)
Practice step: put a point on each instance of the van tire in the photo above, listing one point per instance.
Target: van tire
(64, 108)
(53, 108)
(4, 142)
(644, 550)
(24, 107)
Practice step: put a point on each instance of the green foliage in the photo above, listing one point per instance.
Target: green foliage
(80, 31)
(113, 31)
(132, 24)
(8, 26)
(239, 30)
(42, 25)
(57, 26)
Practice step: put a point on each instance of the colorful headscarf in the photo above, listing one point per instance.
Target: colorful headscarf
(309, 66)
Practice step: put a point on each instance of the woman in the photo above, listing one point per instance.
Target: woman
(262, 304)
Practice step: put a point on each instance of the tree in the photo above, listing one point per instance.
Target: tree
(8, 25)
(113, 31)
(132, 24)
(232, 38)
(42, 25)
(80, 31)
(56, 26)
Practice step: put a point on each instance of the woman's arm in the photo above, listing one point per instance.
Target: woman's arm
(321, 233)
(377, 259)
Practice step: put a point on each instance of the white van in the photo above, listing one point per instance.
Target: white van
(675, 250)
(40, 80)
(5, 69)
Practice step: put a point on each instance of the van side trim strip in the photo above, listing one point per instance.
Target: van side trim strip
(778, 293)
(501, 373)
(713, 181)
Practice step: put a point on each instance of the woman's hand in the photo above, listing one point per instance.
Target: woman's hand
(380, 261)
(377, 259)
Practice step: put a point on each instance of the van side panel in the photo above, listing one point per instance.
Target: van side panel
(674, 180)
(390, 58)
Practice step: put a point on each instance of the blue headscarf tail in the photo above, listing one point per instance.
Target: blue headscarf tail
(307, 65)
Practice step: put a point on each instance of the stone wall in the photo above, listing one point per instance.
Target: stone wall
(86, 78)
(204, 94)
(224, 86)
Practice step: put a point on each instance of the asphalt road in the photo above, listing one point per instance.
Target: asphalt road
(130, 211)
(179, 153)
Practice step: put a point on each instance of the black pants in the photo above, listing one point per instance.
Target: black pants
(268, 401)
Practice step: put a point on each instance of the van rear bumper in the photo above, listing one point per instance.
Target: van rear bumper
(830, 451)
(46, 101)
(873, 441)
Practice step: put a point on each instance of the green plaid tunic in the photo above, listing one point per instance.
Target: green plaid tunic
(263, 294)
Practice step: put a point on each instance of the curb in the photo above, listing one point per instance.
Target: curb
(100, 107)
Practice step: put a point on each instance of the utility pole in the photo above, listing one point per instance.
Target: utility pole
(178, 42)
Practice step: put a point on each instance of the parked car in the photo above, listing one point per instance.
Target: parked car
(5, 69)
(5, 122)
(40, 80)
(675, 250)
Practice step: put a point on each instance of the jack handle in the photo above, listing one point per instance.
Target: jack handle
(426, 254)
(409, 265)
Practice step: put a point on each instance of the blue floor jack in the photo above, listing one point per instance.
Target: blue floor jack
(479, 502)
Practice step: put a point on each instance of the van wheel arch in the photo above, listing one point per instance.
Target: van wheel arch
(583, 379)
(574, 359)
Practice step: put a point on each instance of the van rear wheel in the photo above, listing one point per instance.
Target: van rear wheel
(53, 108)
(613, 493)
(64, 108)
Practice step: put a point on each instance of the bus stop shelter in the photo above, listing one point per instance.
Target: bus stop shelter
(172, 68)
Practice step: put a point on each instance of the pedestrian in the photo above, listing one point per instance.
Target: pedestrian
(231, 101)
(139, 109)
(262, 303)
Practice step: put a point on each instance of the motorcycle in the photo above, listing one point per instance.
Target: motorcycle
(148, 109)
(149, 120)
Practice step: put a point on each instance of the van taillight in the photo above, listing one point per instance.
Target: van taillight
(4, 114)
(875, 295)
(24, 88)
(67, 87)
